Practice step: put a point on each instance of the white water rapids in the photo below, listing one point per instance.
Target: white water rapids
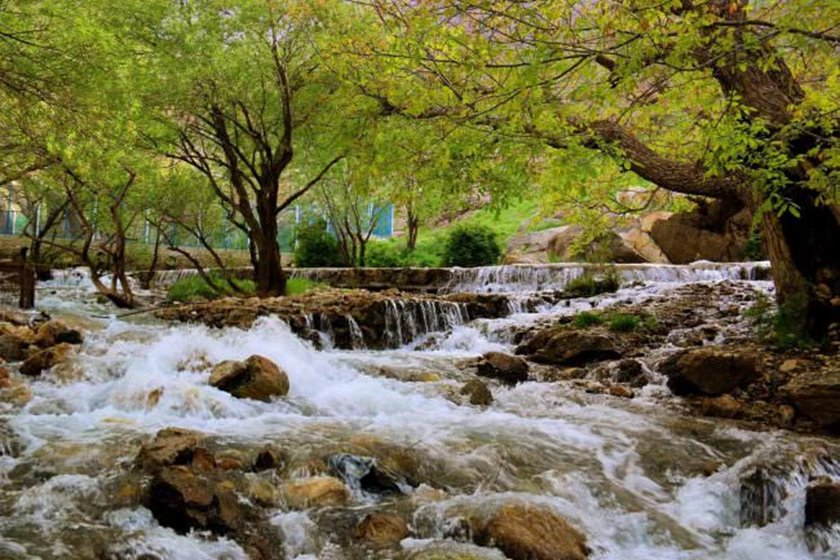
(630, 474)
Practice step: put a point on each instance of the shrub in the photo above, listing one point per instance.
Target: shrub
(587, 319)
(624, 322)
(781, 327)
(316, 247)
(472, 245)
(384, 254)
(195, 287)
(591, 284)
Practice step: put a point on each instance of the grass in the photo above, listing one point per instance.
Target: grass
(298, 286)
(587, 319)
(624, 322)
(590, 283)
(196, 288)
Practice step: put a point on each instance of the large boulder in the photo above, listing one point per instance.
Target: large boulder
(567, 347)
(46, 359)
(256, 378)
(709, 371)
(822, 504)
(14, 341)
(717, 231)
(182, 499)
(525, 532)
(817, 397)
(504, 367)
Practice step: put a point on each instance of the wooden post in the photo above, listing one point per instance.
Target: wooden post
(27, 281)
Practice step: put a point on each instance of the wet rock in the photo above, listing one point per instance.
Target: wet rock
(709, 371)
(724, 406)
(822, 504)
(630, 371)
(268, 459)
(762, 498)
(185, 499)
(817, 397)
(45, 359)
(317, 492)
(182, 500)
(525, 532)
(5, 378)
(171, 446)
(570, 347)
(789, 366)
(55, 332)
(478, 392)
(12, 347)
(256, 378)
(362, 473)
(504, 367)
(621, 392)
(381, 530)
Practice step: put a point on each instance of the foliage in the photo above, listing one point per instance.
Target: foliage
(592, 283)
(298, 286)
(316, 247)
(624, 322)
(472, 245)
(586, 319)
(197, 288)
(781, 325)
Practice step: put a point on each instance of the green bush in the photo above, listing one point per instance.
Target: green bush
(780, 327)
(472, 245)
(195, 287)
(316, 247)
(587, 319)
(384, 254)
(591, 283)
(624, 322)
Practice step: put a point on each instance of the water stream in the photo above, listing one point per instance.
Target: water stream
(632, 475)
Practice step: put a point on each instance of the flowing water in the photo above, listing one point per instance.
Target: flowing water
(632, 475)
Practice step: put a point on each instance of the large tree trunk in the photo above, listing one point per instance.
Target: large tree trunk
(270, 277)
(805, 261)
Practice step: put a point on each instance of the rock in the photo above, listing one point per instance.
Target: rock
(724, 406)
(630, 371)
(569, 347)
(822, 504)
(362, 473)
(322, 491)
(717, 231)
(381, 530)
(709, 371)
(789, 366)
(12, 347)
(643, 244)
(817, 397)
(171, 446)
(504, 367)
(256, 378)
(45, 359)
(55, 332)
(525, 532)
(762, 497)
(478, 392)
(621, 392)
(268, 459)
(18, 394)
(5, 378)
(263, 492)
(182, 500)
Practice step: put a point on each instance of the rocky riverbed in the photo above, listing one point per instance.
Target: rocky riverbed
(645, 423)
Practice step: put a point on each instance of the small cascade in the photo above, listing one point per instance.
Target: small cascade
(357, 339)
(77, 278)
(539, 277)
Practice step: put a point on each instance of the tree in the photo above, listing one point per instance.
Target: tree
(252, 96)
(719, 99)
